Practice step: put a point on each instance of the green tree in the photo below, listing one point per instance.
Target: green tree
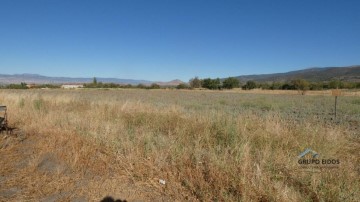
(249, 85)
(22, 85)
(276, 86)
(287, 86)
(211, 83)
(95, 81)
(155, 86)
(195, 82)
(182, 86)
(335, 84)
(301, 85)
(140, 85)
(357, 85)
(316, 85)
(264, 86)
(231, 83)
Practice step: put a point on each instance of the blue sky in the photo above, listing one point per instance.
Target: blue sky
(165, 40)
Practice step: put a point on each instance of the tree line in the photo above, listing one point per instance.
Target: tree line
(214, 84)
(96, 84)
(24, 85)
(296, 84)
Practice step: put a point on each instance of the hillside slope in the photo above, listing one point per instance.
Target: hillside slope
(39, 79)
(351, 73)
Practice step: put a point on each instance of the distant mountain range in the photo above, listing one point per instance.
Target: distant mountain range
(350, 73)
(39, 79)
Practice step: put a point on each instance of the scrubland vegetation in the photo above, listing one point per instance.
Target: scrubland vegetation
(206, 145)
(214, 84)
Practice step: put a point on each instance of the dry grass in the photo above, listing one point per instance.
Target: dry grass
(208, 146)
(344, 92)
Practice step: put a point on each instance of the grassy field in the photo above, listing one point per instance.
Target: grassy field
(206, 145)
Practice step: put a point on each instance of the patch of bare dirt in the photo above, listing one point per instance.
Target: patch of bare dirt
(54, 167)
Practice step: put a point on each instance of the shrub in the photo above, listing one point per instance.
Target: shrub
(211, 83)
(155, 86)
(335, 84)
(301, 85)
(182, 86)
(195, 82)
(22, 85)
(141, 86)
(249, 85)
(231, 83)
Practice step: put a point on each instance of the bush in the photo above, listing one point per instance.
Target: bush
(211, 83)
(249, 85)
(335, 84)
(231, 83)
(301, 85)
(182, 86)
(195, 82)
(47, 86)
(155, 86)
(17, 86)
(140, 86)
(358, 85)
(287, 86)
(264, 86)
(276, 86)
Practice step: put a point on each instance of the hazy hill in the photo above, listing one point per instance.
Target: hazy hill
(39, 79)
(351, 73)
(170, 83)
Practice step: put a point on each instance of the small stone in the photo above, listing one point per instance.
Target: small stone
(162, 182)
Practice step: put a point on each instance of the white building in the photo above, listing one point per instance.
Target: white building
(72, 86)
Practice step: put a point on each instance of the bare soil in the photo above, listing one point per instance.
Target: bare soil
(36, 167)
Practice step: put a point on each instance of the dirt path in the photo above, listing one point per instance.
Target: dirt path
(56, 167)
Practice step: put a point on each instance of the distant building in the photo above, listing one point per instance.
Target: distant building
(72, 86)
(30, 85)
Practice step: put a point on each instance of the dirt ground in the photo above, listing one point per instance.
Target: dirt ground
(38, 167)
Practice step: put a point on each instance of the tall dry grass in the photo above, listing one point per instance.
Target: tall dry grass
(219, 146)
